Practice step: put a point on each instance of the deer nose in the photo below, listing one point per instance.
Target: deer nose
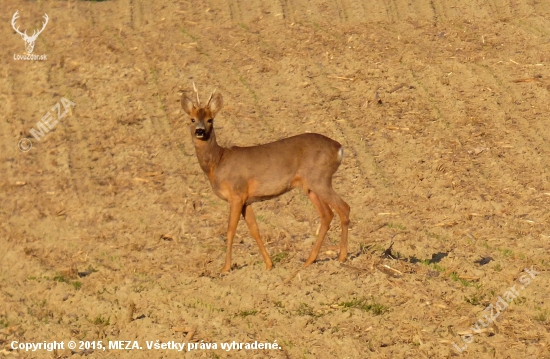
(200, 132)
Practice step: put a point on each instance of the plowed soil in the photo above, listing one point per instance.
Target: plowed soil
(109, 229)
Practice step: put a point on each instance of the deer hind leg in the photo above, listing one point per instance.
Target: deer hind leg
(326, 217)
(342, 208)
(235, 208)
(250, 219)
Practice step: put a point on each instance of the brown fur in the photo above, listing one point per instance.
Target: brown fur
(244, 175)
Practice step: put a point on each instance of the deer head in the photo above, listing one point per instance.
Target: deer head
(202, 118)
(29, 40)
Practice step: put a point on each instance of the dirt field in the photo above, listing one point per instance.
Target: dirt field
(109, 229)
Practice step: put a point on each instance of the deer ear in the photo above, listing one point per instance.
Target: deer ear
(187, 104)
(216, 103)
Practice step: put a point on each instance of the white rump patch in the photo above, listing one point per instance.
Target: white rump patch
(340, 154)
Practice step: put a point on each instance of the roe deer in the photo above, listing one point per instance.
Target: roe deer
(244, 175)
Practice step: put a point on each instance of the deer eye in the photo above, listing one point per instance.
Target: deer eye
(210, 121)
(192, 120)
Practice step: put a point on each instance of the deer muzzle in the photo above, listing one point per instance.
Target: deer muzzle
(200, 132)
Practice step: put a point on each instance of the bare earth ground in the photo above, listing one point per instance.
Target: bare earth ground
(442, 107)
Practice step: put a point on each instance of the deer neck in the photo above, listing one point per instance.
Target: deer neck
(209, 153)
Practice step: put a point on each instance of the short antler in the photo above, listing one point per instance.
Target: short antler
(210, 98)
(13, 20)
(197, 92)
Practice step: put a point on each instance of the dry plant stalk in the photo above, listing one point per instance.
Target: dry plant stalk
(131, 310)
(291, 277)
(190, 334)
(384, 268)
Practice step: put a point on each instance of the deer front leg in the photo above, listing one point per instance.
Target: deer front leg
(235, 208)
